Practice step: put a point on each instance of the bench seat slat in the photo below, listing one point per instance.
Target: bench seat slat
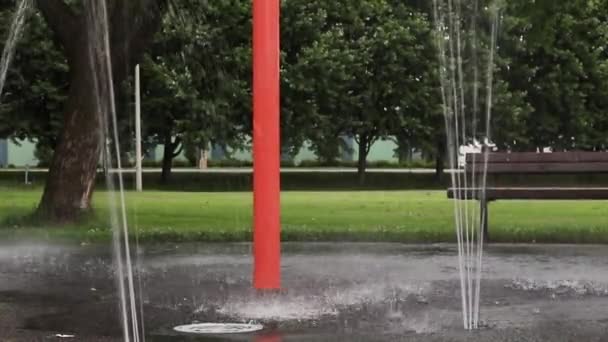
(493, 193)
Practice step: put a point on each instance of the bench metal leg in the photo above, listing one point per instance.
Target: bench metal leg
(484, 213)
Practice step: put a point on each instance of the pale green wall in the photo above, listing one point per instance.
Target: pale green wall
(243, 154)
(305, 153)
(382, 150)
(21, 154)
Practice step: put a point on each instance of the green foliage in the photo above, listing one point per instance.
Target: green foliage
(43, 153)
(557, 58)
(367, 75)
(360, 68)
(194, 78)
(36, 86)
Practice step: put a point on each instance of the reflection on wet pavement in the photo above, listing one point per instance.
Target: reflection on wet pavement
(353, 292)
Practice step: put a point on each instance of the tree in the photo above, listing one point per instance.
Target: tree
(168, 98)
(557, 59)
(302, 23)
(222, 68)
(369, 70)
(36, 85)
(71, 178)
(197, 73)
(473, 70)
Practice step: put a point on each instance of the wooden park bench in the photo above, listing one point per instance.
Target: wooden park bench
(536, 176)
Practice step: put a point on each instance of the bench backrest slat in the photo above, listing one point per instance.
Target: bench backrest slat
(531, 157)
(543, 168)
(558, 162)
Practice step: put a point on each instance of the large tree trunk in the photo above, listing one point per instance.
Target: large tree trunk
(362, 158)
(73, 169)
(71, 180)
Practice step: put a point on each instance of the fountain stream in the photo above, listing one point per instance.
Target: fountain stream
(101, 68)
(463, 50)
(16, 29)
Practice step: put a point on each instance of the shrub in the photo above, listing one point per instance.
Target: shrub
(229, 163)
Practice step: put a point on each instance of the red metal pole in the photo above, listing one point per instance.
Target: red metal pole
(266, 145)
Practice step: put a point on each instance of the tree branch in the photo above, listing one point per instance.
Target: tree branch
(372, 140)
(176, 142)
(177, 147)
(178, 151)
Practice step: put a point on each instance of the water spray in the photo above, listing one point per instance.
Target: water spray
(462, 123)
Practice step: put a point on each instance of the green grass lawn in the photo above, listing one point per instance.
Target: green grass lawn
(405, 216)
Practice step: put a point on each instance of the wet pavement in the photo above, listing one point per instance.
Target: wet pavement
(332, 292)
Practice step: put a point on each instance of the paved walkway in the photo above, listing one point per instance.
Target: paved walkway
(333, 292)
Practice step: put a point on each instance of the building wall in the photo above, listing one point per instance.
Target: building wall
(305, 153)
(18, 154)
(382, 150)
(22, 154)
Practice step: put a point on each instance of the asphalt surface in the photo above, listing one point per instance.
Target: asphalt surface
(331, 292)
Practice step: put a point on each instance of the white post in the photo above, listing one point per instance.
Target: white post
(138, 156)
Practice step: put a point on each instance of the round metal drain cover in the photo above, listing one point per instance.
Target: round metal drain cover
(218, 328)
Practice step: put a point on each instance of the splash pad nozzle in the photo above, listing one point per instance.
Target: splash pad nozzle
(218, 328)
